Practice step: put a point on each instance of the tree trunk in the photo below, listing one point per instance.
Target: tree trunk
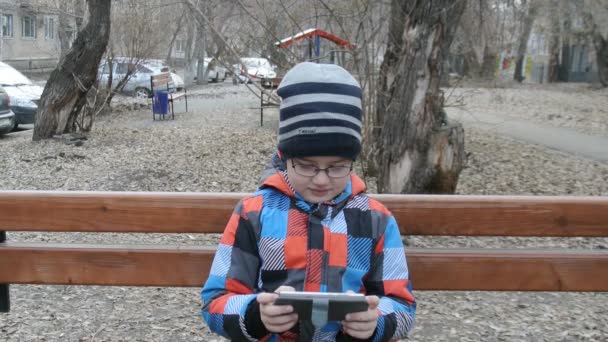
(472, 66)
(566, 18)
(488, 67)
(417, 151)
(479, 61)
(599, 43)
(79, 14)
(553, 74)
(120, 85)
(201, 52)
(483, 69)
(174, 37)
(63, 31)
(601, 50)
(189, 70)
(523, 41)
(64, 94)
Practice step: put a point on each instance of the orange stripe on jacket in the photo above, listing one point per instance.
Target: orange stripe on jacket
(278, 181)
(253, 204)
(377, 206)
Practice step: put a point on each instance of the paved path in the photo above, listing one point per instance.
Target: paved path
(561, 139)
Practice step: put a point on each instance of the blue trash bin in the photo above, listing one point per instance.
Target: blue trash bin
(160, 103)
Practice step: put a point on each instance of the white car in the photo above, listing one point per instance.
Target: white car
(157, 64)
(23, 94)
(216, 74)
(258, 69)
(139, 83)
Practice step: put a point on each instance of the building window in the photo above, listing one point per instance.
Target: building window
(7, 25)
(29, 26)
(71, 36)
(49, 27)
(180, 46)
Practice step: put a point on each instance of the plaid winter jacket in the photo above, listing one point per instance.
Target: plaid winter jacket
(275, 238)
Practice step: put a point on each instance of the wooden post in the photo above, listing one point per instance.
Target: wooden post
(5, 302)
(309, 49)
(153, 97)
(317, 48)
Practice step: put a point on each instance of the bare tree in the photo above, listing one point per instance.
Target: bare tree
(396, 93)
(203, 19)
(176, 32)
(554, 39)
(190, 49)
(79, 13)
(201, 46)
(207, 38)
(529, 12)
(70, 15)
(135, 36)
(601, 50)
(404, 117)
(66, 30)
(417, 150)
(595, 16)
(64, 95)
(479, 39)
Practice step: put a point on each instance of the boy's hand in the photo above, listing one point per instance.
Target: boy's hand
(276, 318)
(362, 325)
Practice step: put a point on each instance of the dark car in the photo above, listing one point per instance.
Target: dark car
(7, 117)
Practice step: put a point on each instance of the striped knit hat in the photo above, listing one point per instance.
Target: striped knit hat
(320, 113)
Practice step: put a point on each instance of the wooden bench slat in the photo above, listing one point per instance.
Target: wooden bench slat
(115, 212)
(160, 79)
(186, 212)
(69, 264)
(157, 84)
(160, 84)
(176, 96)
(161, 76)
(431, 269)
(509, 270)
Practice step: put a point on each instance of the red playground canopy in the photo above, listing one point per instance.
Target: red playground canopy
(314, 33)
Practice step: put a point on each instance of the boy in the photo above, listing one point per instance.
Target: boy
(310, 227)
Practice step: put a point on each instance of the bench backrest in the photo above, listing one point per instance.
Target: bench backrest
(162, 79)
(431, 269)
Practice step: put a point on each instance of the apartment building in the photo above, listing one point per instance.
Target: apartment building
(29, 33)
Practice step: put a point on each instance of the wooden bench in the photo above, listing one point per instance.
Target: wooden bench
(161, 82)
(180, 266)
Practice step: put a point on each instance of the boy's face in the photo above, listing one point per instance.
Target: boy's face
(316, 185)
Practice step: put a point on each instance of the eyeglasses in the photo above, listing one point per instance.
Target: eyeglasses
(307, 170)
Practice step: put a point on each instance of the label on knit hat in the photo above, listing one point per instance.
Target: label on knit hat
(307, 131)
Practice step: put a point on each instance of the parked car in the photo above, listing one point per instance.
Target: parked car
(258, 69)
(24, 95)
(7, 117)
(158, 65)
(216, 74)
(139, 83)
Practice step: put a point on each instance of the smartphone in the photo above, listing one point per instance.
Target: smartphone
(340, 304)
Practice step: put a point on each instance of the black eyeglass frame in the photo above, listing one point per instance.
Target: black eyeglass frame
(326, 170)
